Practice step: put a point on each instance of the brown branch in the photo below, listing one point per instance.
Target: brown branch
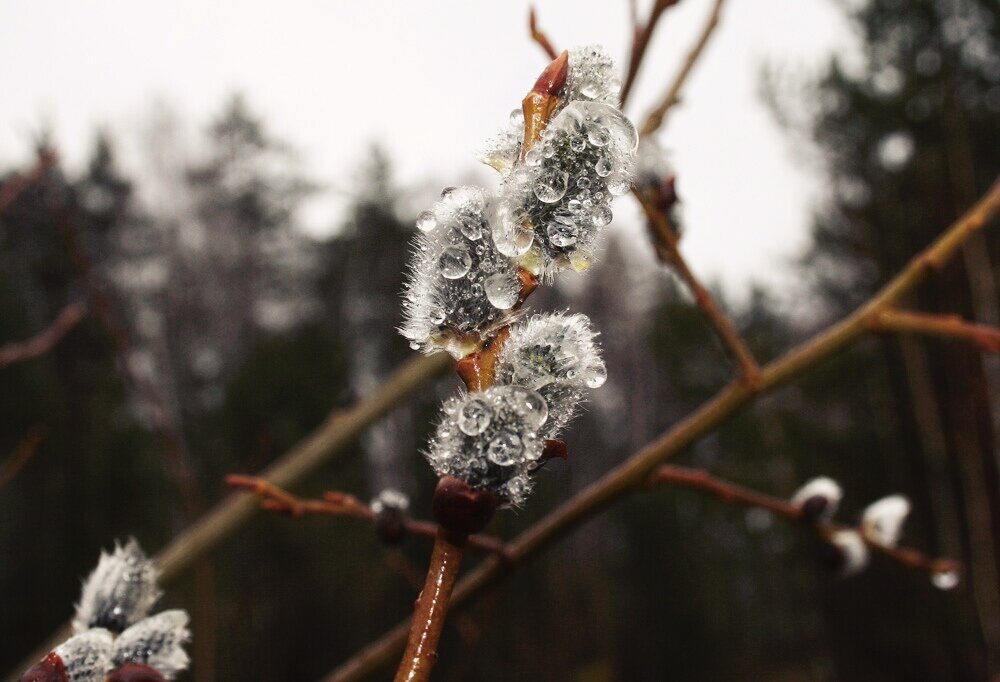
(632, 474)
(275, 498)
(640, 43)
(45, 340)
(655, 118)
(666, 244)
(539, 36)
(984, 337)
(731, 493)
(24, 452)
(13, 188)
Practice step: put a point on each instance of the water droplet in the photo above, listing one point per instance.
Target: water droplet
(426, 221)
(502, 290)
(550, 186)
(504, 448)
(598, 136)
(517, 488)
(414, 345)
(454, 262)
(530, 404)
(437, 314)
(511, 236)
(590, 89)
(601, 215)
(533, 157)
(577, 143)
(603, 167)
(583, 182)
(517, 118)
(475, 416)
(618, 183)
(945, 580)
(596, 375)
(561, 234)
(472, 228)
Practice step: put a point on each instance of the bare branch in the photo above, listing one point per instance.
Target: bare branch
(640, 42)
(984, 337)
(24, 452)
(539, 36)
(45, 340)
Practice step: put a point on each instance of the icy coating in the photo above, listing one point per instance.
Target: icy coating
(490, 439)
(593, 76)
(556, 355)
(119, 592)
(157, 641)
(460, 287)
(86, 656)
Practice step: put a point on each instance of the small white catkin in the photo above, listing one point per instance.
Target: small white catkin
(822, 487)
(853, 549)
(157, 641)
(119, 592)
(86, 656)
(390, 500)
(882, 521)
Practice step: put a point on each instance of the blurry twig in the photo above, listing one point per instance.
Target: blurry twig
(26, 449)
(640, 42)
(949, 326)
(655, 118)
(13, 187)
(539, 36)
(274, 498)
(731, 493)
(45, 340)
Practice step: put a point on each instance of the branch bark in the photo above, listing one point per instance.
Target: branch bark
(45, 340)
(981, 336)
(643, 34)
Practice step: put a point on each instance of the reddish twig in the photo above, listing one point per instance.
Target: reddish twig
(641, 42)
(655, 118)
(984, 337)
(45, 340)
(23, 453)
(731, 493)
(13, 188)
(274, 498)
(666, 244)
(539, 36)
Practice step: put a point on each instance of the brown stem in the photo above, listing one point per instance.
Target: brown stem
(539, 36)
(731, 493)
(984, 337)
(13, 188)
(639, 44)
(432, 606)
(632, 474)
(655, 118)
(668, 252)
(45, 340)
(23, 453)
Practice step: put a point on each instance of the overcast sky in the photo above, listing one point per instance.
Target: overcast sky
(431, 81)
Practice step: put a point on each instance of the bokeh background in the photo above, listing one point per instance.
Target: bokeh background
(243, 180)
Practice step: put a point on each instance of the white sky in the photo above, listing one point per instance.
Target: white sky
(430, 81)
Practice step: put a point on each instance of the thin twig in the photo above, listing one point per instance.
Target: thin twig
(667, 251)
(984, 337)
(44, 341)
(539, 36)
(731, 493)
(24, 452)
(640, 43)
(275, 498)
(655, 118)
(632, 474)
(13, 188)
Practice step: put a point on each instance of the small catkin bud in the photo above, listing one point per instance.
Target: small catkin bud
(157, 641)
(490, 440)
(120, 591)
(390, 507)
(86, 656)
(818, 499)
(460, 287)
(558, 356)
(851, 552)
(882, 520)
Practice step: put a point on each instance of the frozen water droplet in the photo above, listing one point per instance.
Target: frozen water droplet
(517, 118)
(414, 345)
(579, 261)
(472, 228)
(475, 417)
(454, 262)
(531, 405)
(945, 580)
(533, 157)
(561, 234)
(550, 186)
(577, 143)
(532, 446)
(583, 182)
(603, 167)
(618, 183)
(426, 221)
(598, 135)
(601, 215)
(597, 375)
(437, 314)
(502, 290)
(511, 236)
(504, 448)
(590, 89)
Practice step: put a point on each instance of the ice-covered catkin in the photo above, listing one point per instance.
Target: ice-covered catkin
(882, 521)
(86, 656)
(593, 76)
(852, 552)
(157, 641)
(120, 591)
(556, 355)
(490, 439)
(552, 208)
(460, 287)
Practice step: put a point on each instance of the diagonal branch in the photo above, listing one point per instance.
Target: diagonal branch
(44, 341)
(23, 453)
(984, 337)
(633, 473)
(539, 36)
(640, 42)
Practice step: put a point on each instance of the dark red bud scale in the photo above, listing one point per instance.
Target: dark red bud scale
(135, 672)
(49, 669)
(461, 509)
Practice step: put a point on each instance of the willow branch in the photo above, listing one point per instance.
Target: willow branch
(984, 337)
(334, 503)
(666, 244)
(643, 34)
(539, 36)
(13, 188)
(23, 453)
(45, 340)
(633, 473)
(731, 493)
(655, 118)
